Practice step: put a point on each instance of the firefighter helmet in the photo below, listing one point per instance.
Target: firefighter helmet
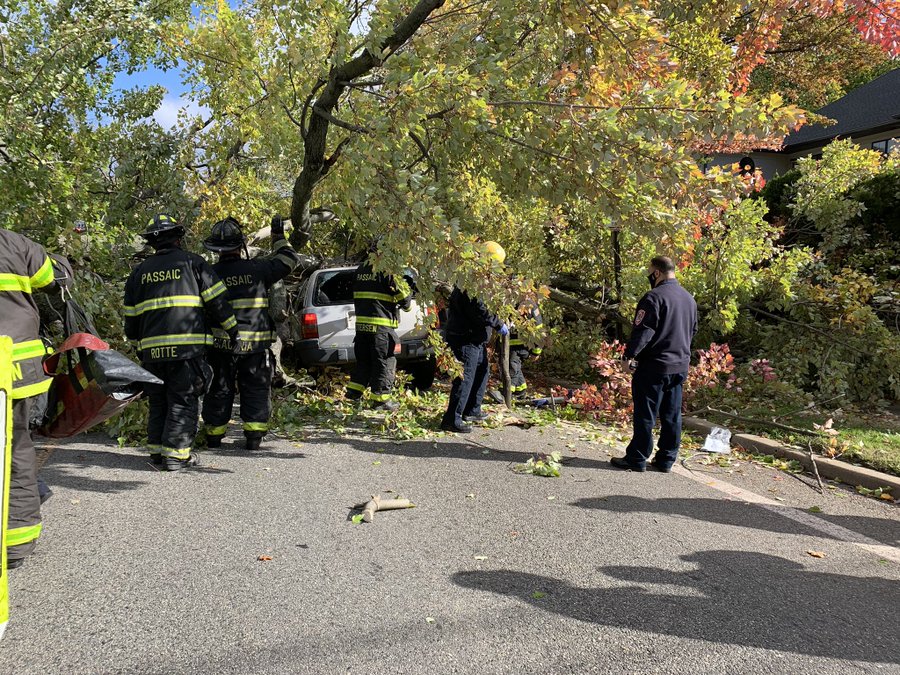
(495, 250)
(162, 226)
(226, 235)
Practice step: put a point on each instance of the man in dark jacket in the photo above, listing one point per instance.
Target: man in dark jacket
(377, 301)
(250, 372)
(25, 268)
(167, 300)
(664, 326)
(468, 330)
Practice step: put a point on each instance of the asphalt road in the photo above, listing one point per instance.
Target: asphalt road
(598, 571)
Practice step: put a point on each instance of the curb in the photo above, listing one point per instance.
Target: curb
(828, 468)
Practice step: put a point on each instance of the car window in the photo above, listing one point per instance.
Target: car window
(334, 287)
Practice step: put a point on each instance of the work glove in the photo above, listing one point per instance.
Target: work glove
(277, 228)
(504, 330)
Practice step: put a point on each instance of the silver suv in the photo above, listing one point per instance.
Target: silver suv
(323, 325)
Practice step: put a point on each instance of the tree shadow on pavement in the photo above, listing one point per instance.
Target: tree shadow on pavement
(66, 468)
(743, 514)
(451, 450)
(733, 597)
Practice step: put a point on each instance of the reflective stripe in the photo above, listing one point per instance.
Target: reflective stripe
(286, 259)
(380, 397)
(250, 303)
(154, 449)
(370, 295)
(246, 335)
(29, 349)
(44, 276)
(213, 291)
(217, 431)
(229, 323)
(377, 321)
(176, 453)
(516, 342)
(30, 390)
(355, 386)
(256, 426)
(183, 339)
(163, 303)
(15, 282)
(537, 350)
(520, 387)
(22, 535)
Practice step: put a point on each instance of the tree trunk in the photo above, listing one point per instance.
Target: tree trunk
(504, 370)
(321, 115)
(617, 276)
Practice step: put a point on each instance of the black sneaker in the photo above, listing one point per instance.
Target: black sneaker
(480, 417)
(173, 464)
(622, 463)
(214, 441)
(496, 396)
(456, 428)
(253, 442)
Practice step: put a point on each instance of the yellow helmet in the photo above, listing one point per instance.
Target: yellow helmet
(495, 250)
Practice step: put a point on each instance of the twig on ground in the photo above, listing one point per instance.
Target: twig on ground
(753, 420)
(815, 467)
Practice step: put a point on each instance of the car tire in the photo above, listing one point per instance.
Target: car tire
(423, 373)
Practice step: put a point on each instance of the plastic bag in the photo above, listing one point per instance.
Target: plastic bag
(718, 440)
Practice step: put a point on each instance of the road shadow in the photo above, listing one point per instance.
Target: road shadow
(65, 468)
(743, 514)
(733, 597)
(453, 448)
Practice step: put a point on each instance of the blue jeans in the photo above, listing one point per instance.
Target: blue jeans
(468, 391)
(655, 395)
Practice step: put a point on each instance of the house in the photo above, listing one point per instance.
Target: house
(869, 115)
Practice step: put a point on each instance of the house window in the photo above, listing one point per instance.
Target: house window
(886, 146)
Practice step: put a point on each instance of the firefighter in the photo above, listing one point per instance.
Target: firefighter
(468, 331)
(167, 300)
(519, 351)
(377, 299)
(248, 282)
(25, 268)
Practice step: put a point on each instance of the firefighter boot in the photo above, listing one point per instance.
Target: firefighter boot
(173, 464)
(214, 441)
(253, 439)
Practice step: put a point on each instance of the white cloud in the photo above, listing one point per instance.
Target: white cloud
(170, 107)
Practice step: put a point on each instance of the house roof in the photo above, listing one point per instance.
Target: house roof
(870, 108)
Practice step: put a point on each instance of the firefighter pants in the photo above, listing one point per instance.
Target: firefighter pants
(376, 365)
(24, 523)
(249, 374)
(516, 374)
(468, 390)
(175, 405)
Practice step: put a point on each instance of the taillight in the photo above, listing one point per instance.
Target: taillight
(309, 326)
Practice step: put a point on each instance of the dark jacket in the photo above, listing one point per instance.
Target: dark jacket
(378, 299)
(468, 320)
(25, 268)
(248, 283)
(167, 299)
(664, 326)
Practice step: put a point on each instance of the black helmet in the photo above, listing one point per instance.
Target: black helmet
(226, 235)
(162, 226)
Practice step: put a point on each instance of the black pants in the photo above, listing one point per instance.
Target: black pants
(251, 375)
(468, 391)
(516, 374)
(376, 365)
(24, 521)
(655, 395)
(175, 405)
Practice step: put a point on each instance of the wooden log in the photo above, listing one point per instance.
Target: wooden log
(371, 507)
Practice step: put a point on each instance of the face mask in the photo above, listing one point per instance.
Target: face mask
(652, 279)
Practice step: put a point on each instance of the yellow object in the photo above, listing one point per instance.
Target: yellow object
(495, 250)
(6, 431)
